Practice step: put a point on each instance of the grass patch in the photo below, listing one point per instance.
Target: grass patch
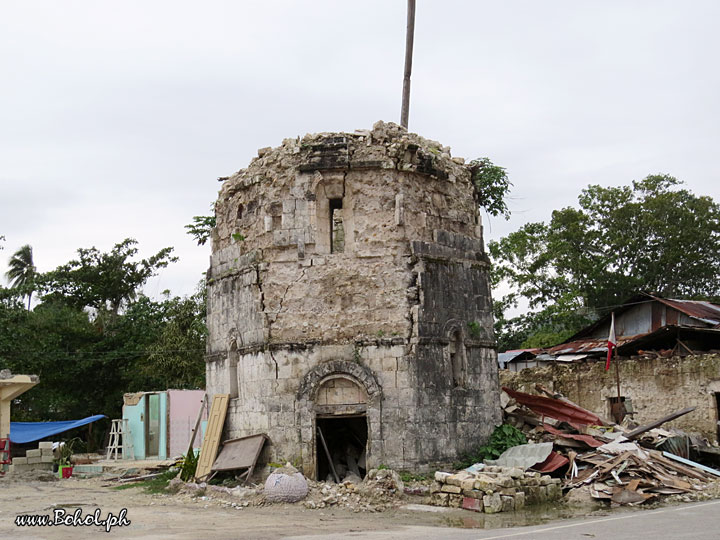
(406, 476)
(151, 485)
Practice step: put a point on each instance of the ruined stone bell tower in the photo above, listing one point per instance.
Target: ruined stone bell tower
(349, 306)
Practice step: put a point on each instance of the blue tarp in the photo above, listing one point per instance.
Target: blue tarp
(25, 432)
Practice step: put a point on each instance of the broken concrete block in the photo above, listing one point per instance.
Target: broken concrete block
(35, 452)
(456, 501)
(449, 488)
(508, 504)
(19, 461)
(473, 493)
(468, 484)
(554, 492)
(519, 500)
(442, 476)
(457, 479)
(435, 487)
(505, 481)
(508, 491)
(515, 472)
(470, 503)
(45, 445)
(492, 503)
(545, 480)
(536, 494)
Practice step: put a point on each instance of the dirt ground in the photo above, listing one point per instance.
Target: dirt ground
(160, 516)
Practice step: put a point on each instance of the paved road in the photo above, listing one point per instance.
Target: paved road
(698, 521)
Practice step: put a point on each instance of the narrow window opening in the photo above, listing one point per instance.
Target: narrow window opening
(717, 408)
(456, 349)
(240, 211)
(337, 230)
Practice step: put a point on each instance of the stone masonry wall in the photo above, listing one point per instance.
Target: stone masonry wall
(400, 306)
(656, 387)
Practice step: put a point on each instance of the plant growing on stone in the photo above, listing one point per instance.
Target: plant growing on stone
(475, 330)
(491, 186)
(505, 436)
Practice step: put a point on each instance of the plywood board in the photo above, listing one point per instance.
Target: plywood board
(211, 441)
(240, 453)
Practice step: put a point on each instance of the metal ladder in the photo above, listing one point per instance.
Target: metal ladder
(120, 440)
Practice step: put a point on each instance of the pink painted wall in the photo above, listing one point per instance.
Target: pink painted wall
(184, 406)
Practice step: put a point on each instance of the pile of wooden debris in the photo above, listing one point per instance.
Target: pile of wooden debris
(624, 466)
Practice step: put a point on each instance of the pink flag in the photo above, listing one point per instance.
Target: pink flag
(612, 342)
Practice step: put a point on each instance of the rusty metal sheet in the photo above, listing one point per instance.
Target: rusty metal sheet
(589, 345)
(587, 439)
(554, 408)
(697, 309)
(240, 453)
(553, 462)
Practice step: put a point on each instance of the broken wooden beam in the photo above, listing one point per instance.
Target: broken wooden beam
(657, 423)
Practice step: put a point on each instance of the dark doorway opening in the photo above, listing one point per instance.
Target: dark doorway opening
(346, 439)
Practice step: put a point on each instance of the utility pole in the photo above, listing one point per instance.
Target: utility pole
(409, 37)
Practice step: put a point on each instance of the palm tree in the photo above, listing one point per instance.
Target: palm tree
(22, 271)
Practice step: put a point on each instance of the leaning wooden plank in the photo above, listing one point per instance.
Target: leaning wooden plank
(691, 463)
(211, 441)
(136, 478)
(197, 425)
(647, 427)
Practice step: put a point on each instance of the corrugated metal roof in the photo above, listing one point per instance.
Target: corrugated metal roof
(697, 309)
(588, 345)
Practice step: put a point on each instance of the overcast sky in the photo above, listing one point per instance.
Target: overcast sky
(116, 118)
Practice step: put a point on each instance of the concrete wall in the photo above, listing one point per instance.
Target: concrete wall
(656, 387)
(136, 417)
(184, 406)
(135, 414)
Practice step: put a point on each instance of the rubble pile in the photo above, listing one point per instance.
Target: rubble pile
(625, 465)
(494, 489)
(381, 489)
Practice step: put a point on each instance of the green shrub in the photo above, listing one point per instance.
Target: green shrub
(188, 466)
(504, 437)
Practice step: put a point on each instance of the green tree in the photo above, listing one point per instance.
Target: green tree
(22, 272)
(653, 236)
(104, 281)
(201, 228)
(491, 186)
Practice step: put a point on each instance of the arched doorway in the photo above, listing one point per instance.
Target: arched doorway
(342, 428)
(344, 400)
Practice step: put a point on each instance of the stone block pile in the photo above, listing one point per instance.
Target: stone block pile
(37, 459)
(494, 489)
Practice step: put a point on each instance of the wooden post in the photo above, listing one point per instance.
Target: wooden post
(409, 38)
(327, 453)
(617, 373)
(197, 425)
